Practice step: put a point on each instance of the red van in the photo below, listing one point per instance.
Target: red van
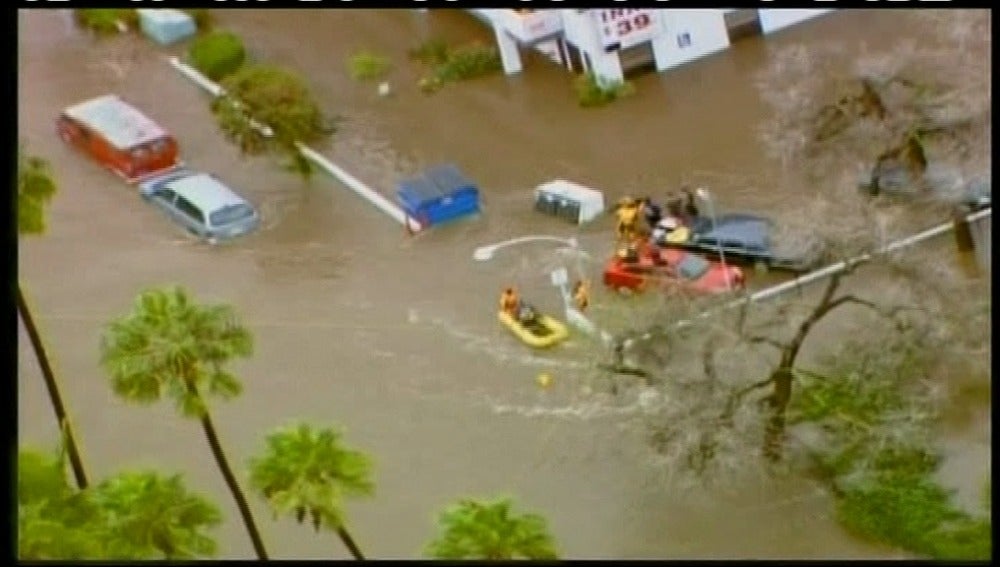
(119, 137)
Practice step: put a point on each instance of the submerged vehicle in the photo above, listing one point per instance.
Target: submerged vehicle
(534, 329)
(746, 238)
(201, 204)
(119, 137)
(675, 268)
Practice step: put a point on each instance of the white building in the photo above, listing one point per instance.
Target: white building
(611, 42)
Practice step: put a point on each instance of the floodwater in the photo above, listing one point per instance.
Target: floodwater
(394, 337)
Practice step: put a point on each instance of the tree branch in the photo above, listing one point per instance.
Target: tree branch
(708, 359)
(891, 314)
(766, 340)
(755, 386)
(727, 414)
(741, 318)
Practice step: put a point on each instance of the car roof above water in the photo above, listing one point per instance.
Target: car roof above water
(124, 126)
(205, 192)
(749, 229)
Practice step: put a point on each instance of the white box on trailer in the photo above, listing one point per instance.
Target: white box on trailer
(569, 200)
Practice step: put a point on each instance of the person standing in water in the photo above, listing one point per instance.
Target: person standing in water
(509, 301)
(690, 206)
(628, 211)
(651, 212)
(581, 295)
(675, 204)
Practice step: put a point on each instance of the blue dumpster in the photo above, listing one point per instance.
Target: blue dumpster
(440, 194)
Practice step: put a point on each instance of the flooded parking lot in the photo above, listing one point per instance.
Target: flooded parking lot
(395, 337)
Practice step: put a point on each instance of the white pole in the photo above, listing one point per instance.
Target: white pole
(841, 266)
(722, 251)
(375, 198)
(704, 194)
(347, 179)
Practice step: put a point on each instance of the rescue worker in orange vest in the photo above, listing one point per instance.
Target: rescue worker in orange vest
(581, 295)
(628, 214)
(509, 301)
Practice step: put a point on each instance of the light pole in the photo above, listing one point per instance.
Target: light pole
(573, 315)
(704, 195)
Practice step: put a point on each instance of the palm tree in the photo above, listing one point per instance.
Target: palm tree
(35, 189)
(53, 521)
(482, 529)
(130, 516)
(170, 346)
(150, 516)
(306, 470)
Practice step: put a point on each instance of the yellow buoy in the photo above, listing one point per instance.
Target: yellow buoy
(544, 379)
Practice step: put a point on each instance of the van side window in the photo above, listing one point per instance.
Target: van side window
(186, 207)
(166, 195)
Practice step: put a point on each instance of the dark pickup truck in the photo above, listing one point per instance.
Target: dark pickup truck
(749, 239)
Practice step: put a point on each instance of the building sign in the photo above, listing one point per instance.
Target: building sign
(529, 26)
(624, 28)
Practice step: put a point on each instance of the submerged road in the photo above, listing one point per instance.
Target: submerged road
(393, 337)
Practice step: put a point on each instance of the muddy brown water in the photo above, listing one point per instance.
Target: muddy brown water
(394, 338)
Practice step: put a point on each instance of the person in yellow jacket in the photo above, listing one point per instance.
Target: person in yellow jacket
(581, 295)
(628, 214)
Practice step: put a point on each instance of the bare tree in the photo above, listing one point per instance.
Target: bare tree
(720, 391)
(905, 109)
(723, 383)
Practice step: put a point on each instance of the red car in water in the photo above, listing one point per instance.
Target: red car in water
(672, 268)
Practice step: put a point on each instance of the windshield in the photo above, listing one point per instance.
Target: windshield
(692, 267)
(230, 214)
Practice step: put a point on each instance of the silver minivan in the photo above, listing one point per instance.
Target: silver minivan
(201, 204)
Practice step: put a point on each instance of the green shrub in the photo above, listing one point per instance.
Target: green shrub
(367, 66)
(276, 97)
(201, 16)
(912, 512)
(591, 93)
(469, 62)
(459, 64)
(883, 470)
(217, 54)
(434, 51)
(104, 21)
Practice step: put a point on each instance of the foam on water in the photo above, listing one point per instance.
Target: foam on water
(580, 411)
(498, 351)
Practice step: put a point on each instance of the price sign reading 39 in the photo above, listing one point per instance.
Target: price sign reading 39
(626, 27)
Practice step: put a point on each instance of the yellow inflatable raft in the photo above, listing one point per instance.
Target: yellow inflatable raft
(544, 333)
